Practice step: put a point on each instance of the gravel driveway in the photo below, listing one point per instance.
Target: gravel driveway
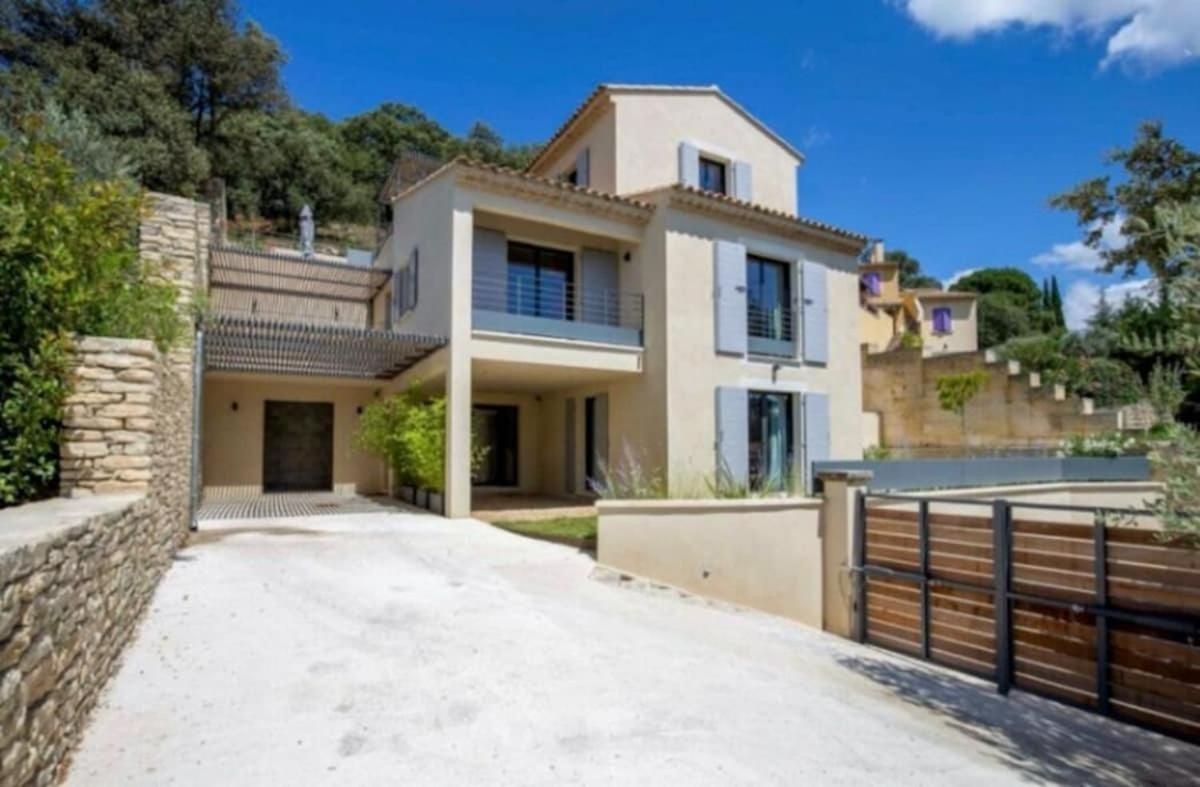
(395, 648)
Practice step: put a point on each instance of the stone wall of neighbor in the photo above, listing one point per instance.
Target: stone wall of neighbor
(76, 573)
(1015, 410)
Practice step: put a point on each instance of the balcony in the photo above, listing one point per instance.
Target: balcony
(556, 308)
(771, 330)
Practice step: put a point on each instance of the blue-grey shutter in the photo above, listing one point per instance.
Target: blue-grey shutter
(817, 445)
(489, 272)
(729, 296)
(598, 287)
(733, 435)
(815, 313)
(583, 168)
(569, 448)
(743, 181)
(689, 164)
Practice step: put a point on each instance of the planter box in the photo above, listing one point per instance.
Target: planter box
(436, 503)
(407, 493)
(422, 498)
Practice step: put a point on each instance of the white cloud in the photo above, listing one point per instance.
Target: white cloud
(1083, 296)
(1077, 255)
(954, 277)
(815, 137)
(1151, 32)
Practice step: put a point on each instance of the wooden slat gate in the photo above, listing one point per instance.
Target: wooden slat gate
(1100, 616)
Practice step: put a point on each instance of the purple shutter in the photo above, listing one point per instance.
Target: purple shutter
(941, 319)
(872, 282)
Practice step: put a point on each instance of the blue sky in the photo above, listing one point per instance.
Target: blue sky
(938, 125)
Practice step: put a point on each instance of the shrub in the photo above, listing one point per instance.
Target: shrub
(409, 433)
(878, 452)
(1109, 382)
(1107, 444)
(69, 264)
(1166, 391)
(910, 340)
(629, 478)
(1178, 463)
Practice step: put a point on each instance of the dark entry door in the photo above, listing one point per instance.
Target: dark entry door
(298, 447)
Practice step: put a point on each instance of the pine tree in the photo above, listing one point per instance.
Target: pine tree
(1056, 304)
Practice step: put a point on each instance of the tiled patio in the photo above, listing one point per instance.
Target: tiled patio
(280, 505)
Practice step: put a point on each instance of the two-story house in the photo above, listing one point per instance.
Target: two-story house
(940, 322)
(644, 292)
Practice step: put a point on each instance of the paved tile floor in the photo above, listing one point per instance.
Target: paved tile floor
(400, 648)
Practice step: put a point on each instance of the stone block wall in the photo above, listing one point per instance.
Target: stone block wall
(111, 417)
(76, 573)
(74, 582)
(1015, 410)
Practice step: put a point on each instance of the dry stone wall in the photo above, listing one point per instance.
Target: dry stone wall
(1015, 410)
(76, 573)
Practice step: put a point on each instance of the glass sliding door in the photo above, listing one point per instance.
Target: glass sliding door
(495, 428)
(771, 440)
(540, 281)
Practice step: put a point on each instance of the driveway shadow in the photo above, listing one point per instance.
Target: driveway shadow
(1038, 737)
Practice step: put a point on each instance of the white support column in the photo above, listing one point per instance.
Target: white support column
(458, 368)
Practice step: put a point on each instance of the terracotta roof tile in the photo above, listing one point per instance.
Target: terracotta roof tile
(771, 212)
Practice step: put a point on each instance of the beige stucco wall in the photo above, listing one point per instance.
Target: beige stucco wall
(765, 554)
(877, 328)
(694, 370)
(423, 219)
(232, 445)
(649, 128)
(600, 139)
(964, 333)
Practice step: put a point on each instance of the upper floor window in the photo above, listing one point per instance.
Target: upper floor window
(712, 175)
(874, 282)
(768, 299)
(540, 281)
(941, 319)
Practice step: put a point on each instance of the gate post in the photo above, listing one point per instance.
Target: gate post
(860, 560)
(1001, 609)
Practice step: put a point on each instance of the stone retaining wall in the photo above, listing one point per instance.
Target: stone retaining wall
(76, 574)
(75, 577)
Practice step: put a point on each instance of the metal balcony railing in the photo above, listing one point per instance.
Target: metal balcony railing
(558, 300)
(776, 323)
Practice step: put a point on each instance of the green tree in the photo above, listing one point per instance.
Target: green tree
(68, 264)
(1010, 304)
(955, 392)
(911, 277)
(161, 77)
(1055, 306)
(1157, 170)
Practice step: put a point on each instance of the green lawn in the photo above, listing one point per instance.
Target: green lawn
(581, 529)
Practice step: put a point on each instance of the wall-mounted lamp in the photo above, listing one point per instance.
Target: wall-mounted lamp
(233, 407)
(627, 257)
(359, 409)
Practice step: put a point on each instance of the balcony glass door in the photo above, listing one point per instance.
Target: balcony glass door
(771, 440)
(540, 282)
(769, 299)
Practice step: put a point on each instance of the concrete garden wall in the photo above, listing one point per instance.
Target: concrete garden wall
(761, 553)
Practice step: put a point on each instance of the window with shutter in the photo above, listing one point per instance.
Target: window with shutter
(941, 320)
(873, 282)
(689, 164)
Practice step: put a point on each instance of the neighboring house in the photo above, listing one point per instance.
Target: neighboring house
(943, 321)
(643, 291)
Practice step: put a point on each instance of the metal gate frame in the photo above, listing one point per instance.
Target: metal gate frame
(1001, 591)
